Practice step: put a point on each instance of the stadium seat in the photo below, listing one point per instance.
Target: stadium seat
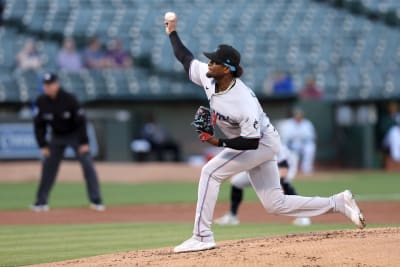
(308, 37)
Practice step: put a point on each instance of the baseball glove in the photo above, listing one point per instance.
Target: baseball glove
(203, 121)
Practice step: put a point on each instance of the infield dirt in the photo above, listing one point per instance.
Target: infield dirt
(369, 247)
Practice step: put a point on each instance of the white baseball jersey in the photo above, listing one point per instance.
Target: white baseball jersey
(392, 142)
(238, 111)
(300, 138)
(296, 134)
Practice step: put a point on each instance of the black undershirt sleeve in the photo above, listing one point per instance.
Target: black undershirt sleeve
(240, 143)
(181, 52)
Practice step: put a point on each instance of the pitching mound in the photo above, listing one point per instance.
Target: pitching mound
(370, 247)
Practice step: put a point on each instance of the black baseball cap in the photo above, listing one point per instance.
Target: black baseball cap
(226, 55)
(49, 77)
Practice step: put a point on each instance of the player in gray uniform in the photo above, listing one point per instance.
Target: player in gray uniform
(287, 165)
(252, 145)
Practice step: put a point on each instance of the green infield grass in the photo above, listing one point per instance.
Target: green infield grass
(23, 245)
(376, 186)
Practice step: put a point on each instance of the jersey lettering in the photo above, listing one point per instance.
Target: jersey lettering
(255, 124)
(221, 117)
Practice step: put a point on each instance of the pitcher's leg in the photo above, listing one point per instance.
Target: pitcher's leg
(206, 198)
(221, 167)
(265, 180)
(218, 169)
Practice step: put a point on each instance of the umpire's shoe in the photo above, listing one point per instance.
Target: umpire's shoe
(97, 207)
(40, 208)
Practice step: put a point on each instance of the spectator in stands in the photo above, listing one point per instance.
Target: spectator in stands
(68, 59)
(116, 56)
(298, 134)
(2, 4)
(93, 56)
(161, 141)
(29, 58)
(283, 83)
(311, 90)
(389, 131)
(26, 112)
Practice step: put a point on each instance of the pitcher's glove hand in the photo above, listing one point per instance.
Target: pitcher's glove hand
(204, 123)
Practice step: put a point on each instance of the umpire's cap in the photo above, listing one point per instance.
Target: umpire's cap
(228, 56)
(49, 77)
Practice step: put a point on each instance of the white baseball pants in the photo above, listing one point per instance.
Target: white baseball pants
(264, 177)
(306, 152)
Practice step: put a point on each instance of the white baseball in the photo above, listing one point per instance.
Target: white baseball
(170, 16)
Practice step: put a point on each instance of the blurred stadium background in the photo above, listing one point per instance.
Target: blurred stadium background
(351, 47)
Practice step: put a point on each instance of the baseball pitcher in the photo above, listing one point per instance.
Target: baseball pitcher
(252, 144)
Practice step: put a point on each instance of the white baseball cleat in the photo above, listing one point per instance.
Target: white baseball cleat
(227, 219)
(192, 244)
(97, 207)
(302, 221)
(352, 211)
(40, 208)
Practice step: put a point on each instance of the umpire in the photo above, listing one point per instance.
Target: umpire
(60, 111)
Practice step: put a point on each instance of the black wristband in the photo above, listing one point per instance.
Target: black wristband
(221, 142)
(239, 143)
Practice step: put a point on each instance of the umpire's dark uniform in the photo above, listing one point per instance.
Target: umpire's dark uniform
(61, 111)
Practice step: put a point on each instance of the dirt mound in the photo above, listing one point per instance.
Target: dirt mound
(370, 247)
